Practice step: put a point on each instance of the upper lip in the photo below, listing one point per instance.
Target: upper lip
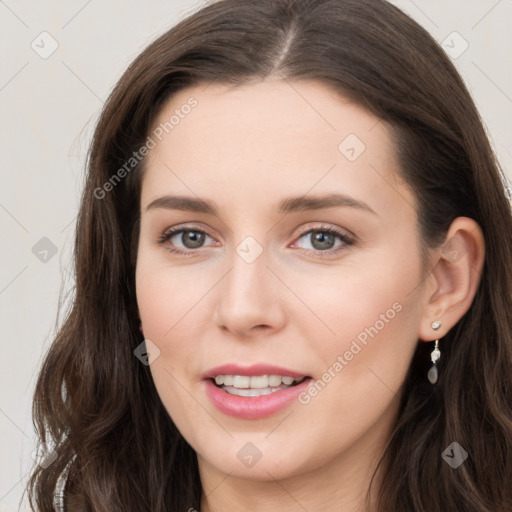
(251, 371)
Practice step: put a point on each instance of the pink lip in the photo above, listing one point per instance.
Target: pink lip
(251, 370)
(252, 408)
(256, 407)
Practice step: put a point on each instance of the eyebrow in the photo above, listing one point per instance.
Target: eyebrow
(288, 205)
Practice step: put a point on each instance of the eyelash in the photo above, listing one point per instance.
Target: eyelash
(347, 241)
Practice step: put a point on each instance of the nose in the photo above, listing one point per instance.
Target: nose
(250, 300)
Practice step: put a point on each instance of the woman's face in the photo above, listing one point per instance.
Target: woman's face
(295, 246)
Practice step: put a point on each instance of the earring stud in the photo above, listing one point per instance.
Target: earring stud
(434, 356)
(436, 324)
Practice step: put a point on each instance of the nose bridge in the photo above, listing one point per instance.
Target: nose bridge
(247, 282)
(248, 297)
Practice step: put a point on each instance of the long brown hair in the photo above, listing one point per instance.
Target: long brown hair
(97, 404)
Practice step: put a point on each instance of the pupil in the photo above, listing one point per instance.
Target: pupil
(192, 239)
(325, 240)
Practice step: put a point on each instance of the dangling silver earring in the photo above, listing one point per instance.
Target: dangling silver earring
(434, 356)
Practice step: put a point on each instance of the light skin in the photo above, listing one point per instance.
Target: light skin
(246, 149)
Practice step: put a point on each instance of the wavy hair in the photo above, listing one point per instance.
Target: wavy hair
(97, 405)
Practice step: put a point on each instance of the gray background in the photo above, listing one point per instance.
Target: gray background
(48, 108)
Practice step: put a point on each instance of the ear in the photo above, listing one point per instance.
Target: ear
(452, 284)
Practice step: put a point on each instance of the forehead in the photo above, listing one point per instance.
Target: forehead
(270, 137)
(307, 109)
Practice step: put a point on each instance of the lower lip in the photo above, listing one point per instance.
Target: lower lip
(253, 407)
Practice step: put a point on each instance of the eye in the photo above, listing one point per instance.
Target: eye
(189, 238)
(323, 240)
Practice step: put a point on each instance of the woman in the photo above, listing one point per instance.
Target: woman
(293, 279)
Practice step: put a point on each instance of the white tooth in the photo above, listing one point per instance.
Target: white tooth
(256, 381)
(274, 380)
(249, 392)
(259, 382)
(241, 381)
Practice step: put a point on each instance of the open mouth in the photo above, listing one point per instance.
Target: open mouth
(255, 386)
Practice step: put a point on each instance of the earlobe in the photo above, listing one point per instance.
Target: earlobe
(455, 277)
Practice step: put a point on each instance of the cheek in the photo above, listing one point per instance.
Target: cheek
(360, 368)
(155, 301)
(166, 299)
(162, 303)
(165, 294)
(374, 317)
(172, 302)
